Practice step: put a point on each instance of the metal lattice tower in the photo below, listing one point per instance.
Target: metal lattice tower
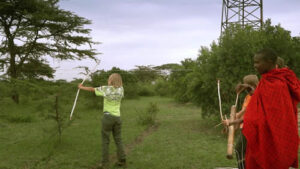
(243, 12)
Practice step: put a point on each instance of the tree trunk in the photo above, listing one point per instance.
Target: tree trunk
(13, 76)
(12, 71)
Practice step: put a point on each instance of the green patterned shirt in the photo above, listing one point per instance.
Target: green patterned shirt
(112, 98)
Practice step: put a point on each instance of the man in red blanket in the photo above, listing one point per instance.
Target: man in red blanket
(270, 121)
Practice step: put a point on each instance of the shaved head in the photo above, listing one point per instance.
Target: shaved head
(268, 55)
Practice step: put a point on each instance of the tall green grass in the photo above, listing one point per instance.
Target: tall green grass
(183, 139)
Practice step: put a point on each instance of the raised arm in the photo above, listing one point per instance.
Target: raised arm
(91, 89)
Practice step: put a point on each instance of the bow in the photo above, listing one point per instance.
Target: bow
(220, 102)
(87, 75)
(231, 129)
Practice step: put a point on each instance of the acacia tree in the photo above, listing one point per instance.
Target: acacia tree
(145, 73)
(35, 29)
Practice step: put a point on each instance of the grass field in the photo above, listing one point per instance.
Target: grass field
(181, 139)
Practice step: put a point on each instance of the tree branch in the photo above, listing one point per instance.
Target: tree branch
(32, 44)
(17, 27)
(31, 47)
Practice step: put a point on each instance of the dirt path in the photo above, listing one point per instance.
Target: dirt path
(139, 139)
(129, 147)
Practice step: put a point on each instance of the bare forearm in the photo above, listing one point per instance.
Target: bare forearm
(241, 113)
(237, 121)
(91, 89)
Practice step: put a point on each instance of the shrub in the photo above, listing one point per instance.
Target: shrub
(148, 117)
(162, 87)
(230, 60)
(146, 90)
(131, 90)
(21, 119)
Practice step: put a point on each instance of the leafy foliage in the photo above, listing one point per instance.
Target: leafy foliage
(148, 117)
(145, 74)
(34, 29)
(230, 60)
(146, 89)
(34, 69)
(180, 79)
(162, 87)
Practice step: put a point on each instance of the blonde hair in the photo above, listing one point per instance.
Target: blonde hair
(115, 80)
(251, 80)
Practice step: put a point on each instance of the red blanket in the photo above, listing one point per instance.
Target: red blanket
(270, 122)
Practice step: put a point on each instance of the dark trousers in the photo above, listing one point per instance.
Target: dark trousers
(111, 124)
(241, 150)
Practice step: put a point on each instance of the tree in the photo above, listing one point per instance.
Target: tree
(34, 69)
(146, 74)
(181, 78)
(230, 60)
(35, 29)
(286, 46)
(168, 66)
(293, 63)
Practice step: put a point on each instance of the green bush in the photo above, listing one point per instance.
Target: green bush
(146, 89)
(5, 89)
(93, 102)
(162, 87)
(18, 117)
(131, 90)
(21, 118)
(148, 116)
(180, 81)
(229, 61)
(5, 103)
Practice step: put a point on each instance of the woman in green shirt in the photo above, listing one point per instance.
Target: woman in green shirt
(111, 121)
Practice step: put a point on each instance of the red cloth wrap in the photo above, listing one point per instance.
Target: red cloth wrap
(270, 122)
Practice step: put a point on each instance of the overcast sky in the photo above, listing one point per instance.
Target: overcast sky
(156, 32)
